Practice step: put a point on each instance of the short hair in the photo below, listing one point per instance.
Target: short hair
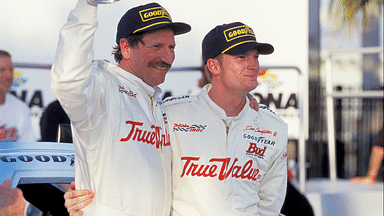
(133, 41)
(4, 53)
(219, 58)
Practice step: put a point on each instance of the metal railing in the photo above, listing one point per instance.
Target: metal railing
(330, 96)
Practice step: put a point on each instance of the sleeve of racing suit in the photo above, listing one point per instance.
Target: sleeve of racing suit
(72, 80)
(274, 184)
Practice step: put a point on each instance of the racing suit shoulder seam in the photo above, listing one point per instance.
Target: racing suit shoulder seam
(266, 110)
(179, 99)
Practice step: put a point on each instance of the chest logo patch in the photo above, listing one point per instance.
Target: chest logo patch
(130, 93)
(255, 151)
(261, 131)
(189, 128)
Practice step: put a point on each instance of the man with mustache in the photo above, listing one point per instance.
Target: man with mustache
(122, 147)
(227, 159)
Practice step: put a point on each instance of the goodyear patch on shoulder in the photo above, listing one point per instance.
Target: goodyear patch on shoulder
(177, 99)
(263, 108)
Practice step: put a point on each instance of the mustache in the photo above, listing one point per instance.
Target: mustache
(159, 64)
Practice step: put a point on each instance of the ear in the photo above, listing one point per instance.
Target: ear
(125, 49)
(214, 66)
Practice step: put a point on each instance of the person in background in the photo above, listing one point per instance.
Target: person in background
(52, 116)
(15, 119)
(375, 161)
(295, 203)
(16, 126)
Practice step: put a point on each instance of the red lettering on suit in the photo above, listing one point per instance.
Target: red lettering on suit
(148, 137)
(192, 168)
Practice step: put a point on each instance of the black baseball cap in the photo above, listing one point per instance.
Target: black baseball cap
(233, 39)
(146, 18)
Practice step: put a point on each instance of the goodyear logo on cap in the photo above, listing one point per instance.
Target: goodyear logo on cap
(154, 13)
(238, 32)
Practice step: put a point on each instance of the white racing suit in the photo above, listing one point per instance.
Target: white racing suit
(219, 168)
(122, 148)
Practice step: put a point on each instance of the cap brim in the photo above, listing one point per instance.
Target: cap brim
(178, 28)
(262, 48)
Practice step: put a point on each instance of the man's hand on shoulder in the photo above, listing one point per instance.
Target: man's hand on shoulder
(253, 102)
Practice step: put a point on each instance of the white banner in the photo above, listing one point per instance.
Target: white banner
(33, 86)
(279, 89)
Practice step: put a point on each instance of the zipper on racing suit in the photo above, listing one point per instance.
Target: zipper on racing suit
(153, 109)
(223, 191)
